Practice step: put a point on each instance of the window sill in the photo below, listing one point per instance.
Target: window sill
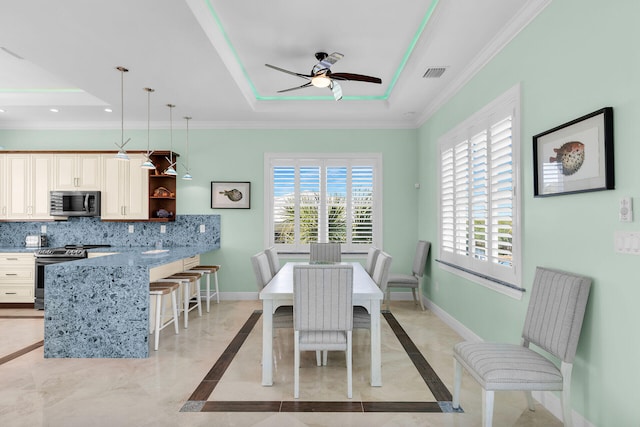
(505, 290)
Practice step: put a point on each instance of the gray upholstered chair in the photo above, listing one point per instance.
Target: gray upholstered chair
(553, 323)
(361, 317)
(372, 256)
(411, 280)
(325, 252)
(283, 316)
(323, 313)
(274, 261)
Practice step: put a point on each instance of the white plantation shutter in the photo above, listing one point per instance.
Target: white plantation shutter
(323, 199)
(478, 199)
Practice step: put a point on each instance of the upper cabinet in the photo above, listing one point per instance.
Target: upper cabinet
(124, 188)
(25, 186)
(3, 186)
(77, 171)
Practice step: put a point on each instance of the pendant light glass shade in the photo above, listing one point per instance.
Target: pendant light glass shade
(187, 176)
(122, 154)
(171, 170)
(148, 164)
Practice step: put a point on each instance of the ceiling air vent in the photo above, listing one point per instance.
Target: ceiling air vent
(434, 72)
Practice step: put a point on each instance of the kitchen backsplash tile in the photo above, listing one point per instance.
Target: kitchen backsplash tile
(184, 231)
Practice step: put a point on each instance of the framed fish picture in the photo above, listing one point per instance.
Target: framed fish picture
(230, 195)
(575, 157)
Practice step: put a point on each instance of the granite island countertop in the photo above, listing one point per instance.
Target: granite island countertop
(98, 307)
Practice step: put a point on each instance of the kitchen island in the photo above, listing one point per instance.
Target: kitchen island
(99, 307)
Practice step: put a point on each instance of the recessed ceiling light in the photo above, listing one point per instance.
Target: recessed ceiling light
(1, 110)
(108, 110)
(53, 110)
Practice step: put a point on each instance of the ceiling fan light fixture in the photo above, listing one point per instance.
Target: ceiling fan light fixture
(321, 81)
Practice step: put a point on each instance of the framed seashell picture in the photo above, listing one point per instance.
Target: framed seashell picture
(575, 157)
(230, 195)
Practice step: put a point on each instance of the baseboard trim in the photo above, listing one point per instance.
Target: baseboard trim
(550, 401)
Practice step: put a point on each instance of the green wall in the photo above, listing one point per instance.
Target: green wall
(576, 57)
(238, 155)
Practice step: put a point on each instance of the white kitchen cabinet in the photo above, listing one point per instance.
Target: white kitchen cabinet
(125, 188)
(77, 171)
(17, 277)
(26, 184)
(3, 191)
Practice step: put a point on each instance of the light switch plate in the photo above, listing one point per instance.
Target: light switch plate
(131, 229)
(202, 228)
(163, 228)
(43, 229)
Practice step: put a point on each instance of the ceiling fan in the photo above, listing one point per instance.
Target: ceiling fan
(321, 75)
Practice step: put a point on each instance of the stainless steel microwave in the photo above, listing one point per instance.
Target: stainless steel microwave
(74, 203)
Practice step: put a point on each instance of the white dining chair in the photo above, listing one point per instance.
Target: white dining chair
(274, 261)
(411, 280)
(553, 323)
(283, 316)
(372, 256)
(323, 314)
(325, 252)
(361, 317)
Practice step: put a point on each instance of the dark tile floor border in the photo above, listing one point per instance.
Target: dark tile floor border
(20, 352)
(198, 400)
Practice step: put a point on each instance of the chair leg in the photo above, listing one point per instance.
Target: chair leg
(318, 358)
(565, 369)
(208, 294)
(157, 327)
(215, 280)
(420, 296)
(415, 299)
(457, 381)
(325, 355)
(530, 402)
(185, 297)
(349, 366)
(487, 408)
(174, 306)
(296, 364)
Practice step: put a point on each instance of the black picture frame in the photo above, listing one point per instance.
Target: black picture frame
(230, 195)
(575, 157)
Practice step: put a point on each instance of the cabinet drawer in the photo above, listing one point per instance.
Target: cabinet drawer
(191, 262)
(23, 259)
(16, 294)
(20, 274)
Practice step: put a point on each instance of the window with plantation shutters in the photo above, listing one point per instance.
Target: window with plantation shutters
(479, 201)
(323, 198)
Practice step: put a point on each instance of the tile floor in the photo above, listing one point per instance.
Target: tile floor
(153, 392)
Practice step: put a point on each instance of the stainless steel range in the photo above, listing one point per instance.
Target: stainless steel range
(48, 256)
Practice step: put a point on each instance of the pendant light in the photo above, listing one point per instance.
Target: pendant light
(122, 154)
(187, 176)
(170, 170)
(148, 164)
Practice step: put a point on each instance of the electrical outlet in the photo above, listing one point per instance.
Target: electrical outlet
(163, 228)
(131, 229)
(43, 229)
(202, 228)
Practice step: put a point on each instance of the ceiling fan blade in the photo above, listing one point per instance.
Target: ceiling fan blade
(355, 77)
(336, 89)
(327, 62)
(304, 76)
(295, 88)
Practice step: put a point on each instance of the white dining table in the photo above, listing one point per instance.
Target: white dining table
(279, 291)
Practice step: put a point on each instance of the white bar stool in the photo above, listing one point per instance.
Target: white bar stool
(190, 283)
(209, 270)
(158, 290)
